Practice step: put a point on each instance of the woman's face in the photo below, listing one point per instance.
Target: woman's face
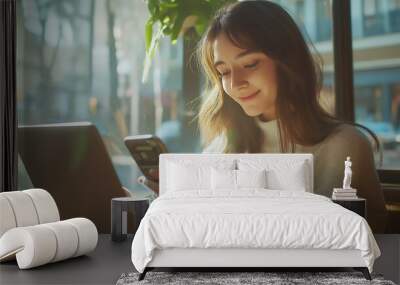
(249, 77)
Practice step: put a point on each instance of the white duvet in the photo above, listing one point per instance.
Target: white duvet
(252, 218)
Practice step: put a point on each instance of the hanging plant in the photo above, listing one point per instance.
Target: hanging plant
(173, 18)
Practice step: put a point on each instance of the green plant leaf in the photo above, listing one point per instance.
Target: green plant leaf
(150, 54)
(148, 34)
(166, 5)
(201, 26)
(167, 18)
(180, 18)
(153, 7)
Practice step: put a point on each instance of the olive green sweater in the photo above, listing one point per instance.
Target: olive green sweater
(329, 157)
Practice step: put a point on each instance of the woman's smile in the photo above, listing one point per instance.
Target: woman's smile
(249, 97)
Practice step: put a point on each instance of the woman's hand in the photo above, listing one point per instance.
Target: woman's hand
(153, 183)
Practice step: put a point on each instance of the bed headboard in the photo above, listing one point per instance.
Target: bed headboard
(237, 159)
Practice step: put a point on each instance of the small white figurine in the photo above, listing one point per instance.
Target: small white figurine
(347, 174)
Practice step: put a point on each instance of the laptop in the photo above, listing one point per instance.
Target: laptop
(71, 162)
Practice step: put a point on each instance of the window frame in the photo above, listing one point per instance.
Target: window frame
(344, 73)
(8, 109)
(344, 82)
(343, 60)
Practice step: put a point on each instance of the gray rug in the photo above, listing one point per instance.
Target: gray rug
(230, 278)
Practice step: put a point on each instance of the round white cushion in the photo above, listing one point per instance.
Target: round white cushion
(7, 218)
(26, 208)
(87, 234)
(41, 244)
(67, 239)
(33, 246)
(24, 211)
(46, 207)
(31, 232)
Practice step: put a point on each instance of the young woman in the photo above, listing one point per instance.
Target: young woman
(263, 97)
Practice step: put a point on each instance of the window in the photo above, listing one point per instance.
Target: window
(83, 61)
(394, 16)
(376, 54)
(372, 18)
(324, 20)
(315, 20)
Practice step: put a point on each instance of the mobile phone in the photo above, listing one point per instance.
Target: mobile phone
(145, 150)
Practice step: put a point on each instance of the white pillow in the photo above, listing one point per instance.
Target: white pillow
(223, 179)
(292, 179)
(226, 179)
(181, 177)
(251, 178)
(281, 174)
(193, 174)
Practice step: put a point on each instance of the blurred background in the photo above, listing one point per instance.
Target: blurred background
(82, 60)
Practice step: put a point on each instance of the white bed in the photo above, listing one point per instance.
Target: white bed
(203, 219)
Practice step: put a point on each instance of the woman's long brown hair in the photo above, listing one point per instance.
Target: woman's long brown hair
(266, 27)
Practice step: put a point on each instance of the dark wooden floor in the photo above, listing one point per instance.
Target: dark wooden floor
(102, 266)
(110, 260)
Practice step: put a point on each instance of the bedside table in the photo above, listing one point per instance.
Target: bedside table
(119, 215)
(357, 205)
